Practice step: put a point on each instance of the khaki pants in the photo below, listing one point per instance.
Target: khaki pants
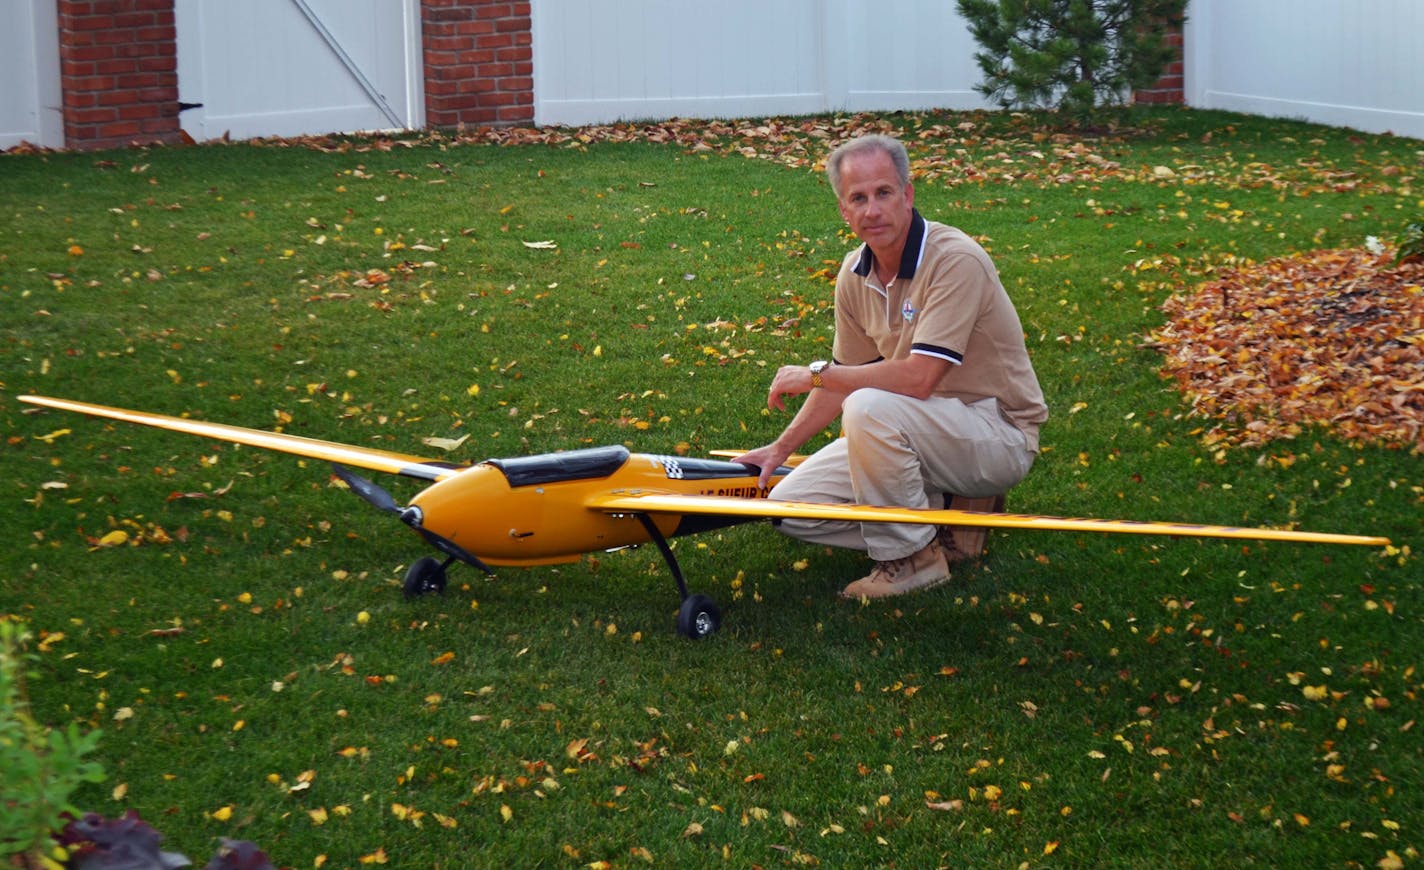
(904, 452)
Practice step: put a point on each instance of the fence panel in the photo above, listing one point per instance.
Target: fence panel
(291, 67)
(30, 99)
(598, 61)
(1338, 62)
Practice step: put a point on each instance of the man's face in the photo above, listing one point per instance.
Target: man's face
(872, 201)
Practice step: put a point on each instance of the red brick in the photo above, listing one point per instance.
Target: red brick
(474, 28)
(439, 88)
(161, 127)
(159, 96)
(79, 100)
(475, 86)
(154, 34)
(86, 52)
(70, 68)
(92, 83)
(448, 43)
(115, 98)
(114, 66)
(162, 65)
(135, 19)
(117, 129)
(494, 40)
(490, 10)
(475, 57)
(495, 70)
(449, 13)
(92, 116)
(141, 111)
(88, 22)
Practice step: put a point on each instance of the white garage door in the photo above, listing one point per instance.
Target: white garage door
(294, 67)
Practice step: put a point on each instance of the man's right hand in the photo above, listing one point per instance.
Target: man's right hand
(767, 459)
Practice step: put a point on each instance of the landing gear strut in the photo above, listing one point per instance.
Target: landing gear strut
(698, 617)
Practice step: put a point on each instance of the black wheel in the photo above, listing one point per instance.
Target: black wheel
(426, 574)
(698, 617)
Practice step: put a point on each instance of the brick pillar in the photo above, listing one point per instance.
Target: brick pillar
(479, 62)
(1170, 88)
(119, 72)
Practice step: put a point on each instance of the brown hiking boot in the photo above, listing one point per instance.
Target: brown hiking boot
(922, 570)
(967, 542)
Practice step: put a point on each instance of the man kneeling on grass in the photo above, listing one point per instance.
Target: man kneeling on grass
(929, 374)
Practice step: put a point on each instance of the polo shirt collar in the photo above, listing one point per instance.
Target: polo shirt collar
(909, 258)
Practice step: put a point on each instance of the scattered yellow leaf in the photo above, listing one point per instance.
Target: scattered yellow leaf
(946, 806)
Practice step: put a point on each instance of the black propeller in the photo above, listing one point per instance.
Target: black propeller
(367, 490)
(411, 516)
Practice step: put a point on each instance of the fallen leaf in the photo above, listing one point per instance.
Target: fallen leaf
(951, 806)
(446, 444)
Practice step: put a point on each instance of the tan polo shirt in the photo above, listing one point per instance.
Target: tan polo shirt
(946, 301)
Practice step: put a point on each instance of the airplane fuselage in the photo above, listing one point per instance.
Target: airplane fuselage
(532, 510)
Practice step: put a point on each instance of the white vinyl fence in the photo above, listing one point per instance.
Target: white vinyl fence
(288, 67)
(598, 61)
(30, 101)
(1348, 63)
(1353, 63)
(291, 67)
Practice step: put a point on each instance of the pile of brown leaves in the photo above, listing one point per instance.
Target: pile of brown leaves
(1331, 338)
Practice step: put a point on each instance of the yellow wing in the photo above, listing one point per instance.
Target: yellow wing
(312, 448)
(669, 503)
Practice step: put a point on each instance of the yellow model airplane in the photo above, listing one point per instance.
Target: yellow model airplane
(555, 507)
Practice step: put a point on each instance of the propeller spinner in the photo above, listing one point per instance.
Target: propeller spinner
(411, 516)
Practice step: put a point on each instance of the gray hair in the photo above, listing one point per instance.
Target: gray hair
(863, 144)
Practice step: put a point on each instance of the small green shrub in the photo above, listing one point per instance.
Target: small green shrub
(42, 766)
(1410, 244)
(1075, 56)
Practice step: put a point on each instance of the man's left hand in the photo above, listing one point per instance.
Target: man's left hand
(789, 381)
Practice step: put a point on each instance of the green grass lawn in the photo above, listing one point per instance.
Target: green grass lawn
(1071, 700)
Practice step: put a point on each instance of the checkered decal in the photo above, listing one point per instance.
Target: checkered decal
(671, 466)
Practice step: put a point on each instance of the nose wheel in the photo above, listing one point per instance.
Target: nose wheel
(424, 576)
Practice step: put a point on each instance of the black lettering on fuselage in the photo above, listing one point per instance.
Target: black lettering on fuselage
(738, 492)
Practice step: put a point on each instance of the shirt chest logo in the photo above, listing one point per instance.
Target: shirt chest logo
(908, 311)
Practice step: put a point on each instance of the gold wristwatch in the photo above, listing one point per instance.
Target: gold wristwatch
(817, 368)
